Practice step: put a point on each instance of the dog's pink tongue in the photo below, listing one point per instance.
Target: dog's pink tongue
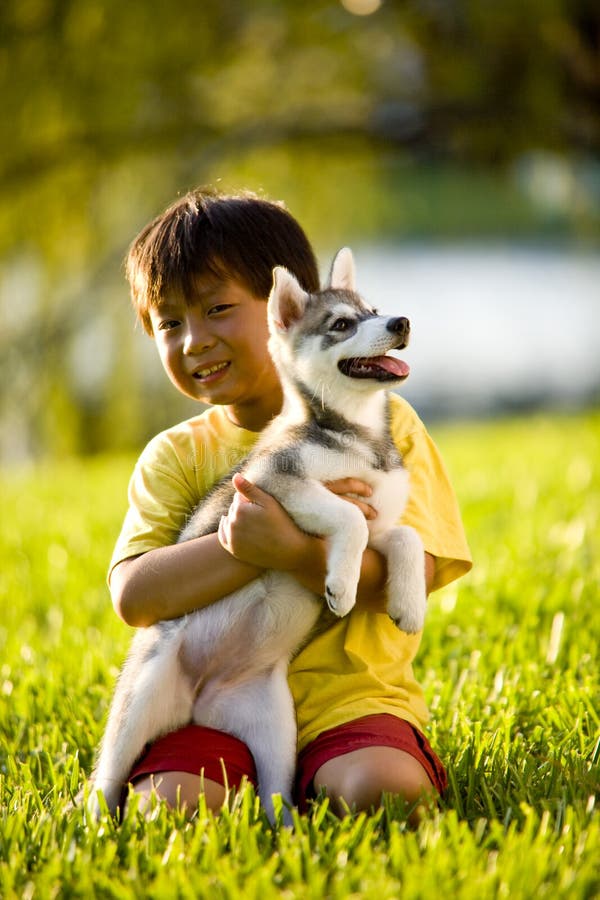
(396, 367)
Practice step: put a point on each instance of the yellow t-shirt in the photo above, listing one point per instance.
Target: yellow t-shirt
(360, 665)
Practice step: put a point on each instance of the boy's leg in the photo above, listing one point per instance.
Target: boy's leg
(357, 780)
(194, 760)
(179, 789)
(357, 762)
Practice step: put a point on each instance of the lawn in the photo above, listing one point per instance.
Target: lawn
(509, 661)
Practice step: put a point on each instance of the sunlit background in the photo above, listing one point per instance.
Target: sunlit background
(454, 145)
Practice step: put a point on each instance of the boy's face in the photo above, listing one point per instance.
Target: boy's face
(215, 350)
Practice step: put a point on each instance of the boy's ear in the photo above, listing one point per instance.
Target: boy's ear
(343, 271)
(287, 300)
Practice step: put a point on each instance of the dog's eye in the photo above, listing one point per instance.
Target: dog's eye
(341, 324)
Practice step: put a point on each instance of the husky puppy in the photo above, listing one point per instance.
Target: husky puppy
(225, 666)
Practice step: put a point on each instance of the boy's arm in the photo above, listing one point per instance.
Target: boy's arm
(173, 580)
(257, 534)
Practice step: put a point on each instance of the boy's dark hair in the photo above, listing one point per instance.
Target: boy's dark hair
(216, 236)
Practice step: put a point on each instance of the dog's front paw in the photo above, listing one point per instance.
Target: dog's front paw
(340, 599)
(409, 617)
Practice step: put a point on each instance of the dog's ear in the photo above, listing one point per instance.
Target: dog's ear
(287, 299)
(343, 272)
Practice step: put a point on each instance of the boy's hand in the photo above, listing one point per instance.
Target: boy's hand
(259, 531)
(353, 489)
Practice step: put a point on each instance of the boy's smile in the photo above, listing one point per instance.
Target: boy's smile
(207, 373)
(215, 350)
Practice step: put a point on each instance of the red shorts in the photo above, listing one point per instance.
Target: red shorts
(224, 758)
(197, 749)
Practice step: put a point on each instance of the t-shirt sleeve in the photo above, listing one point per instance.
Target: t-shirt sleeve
(432, 508)
(161, 496)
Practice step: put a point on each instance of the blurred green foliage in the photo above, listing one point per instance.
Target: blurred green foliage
(429, 118)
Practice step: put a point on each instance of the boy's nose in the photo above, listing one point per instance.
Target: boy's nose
(197, 338)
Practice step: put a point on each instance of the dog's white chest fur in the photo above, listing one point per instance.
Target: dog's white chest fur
(390, 488)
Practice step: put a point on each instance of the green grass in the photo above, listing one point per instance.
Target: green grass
(509, 662)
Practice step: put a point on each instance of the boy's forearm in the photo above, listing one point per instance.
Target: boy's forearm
(174, 580)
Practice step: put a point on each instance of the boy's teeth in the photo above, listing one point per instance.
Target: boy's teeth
(202, 373)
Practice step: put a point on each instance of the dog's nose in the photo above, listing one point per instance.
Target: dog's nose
(400, 326)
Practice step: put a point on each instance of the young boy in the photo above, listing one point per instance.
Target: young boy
(200, 275)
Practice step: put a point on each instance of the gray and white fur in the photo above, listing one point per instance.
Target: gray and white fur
(225, 666)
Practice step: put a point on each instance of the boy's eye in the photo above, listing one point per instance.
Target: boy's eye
(341, 324)
(218, 308)
(168, 324)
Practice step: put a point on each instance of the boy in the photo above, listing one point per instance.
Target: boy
(200, 275)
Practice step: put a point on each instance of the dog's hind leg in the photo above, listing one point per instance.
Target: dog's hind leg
(152, 697)
(275, 750)
(261, 713)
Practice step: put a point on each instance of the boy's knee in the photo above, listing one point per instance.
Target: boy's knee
(179, 790)
(358, 780)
